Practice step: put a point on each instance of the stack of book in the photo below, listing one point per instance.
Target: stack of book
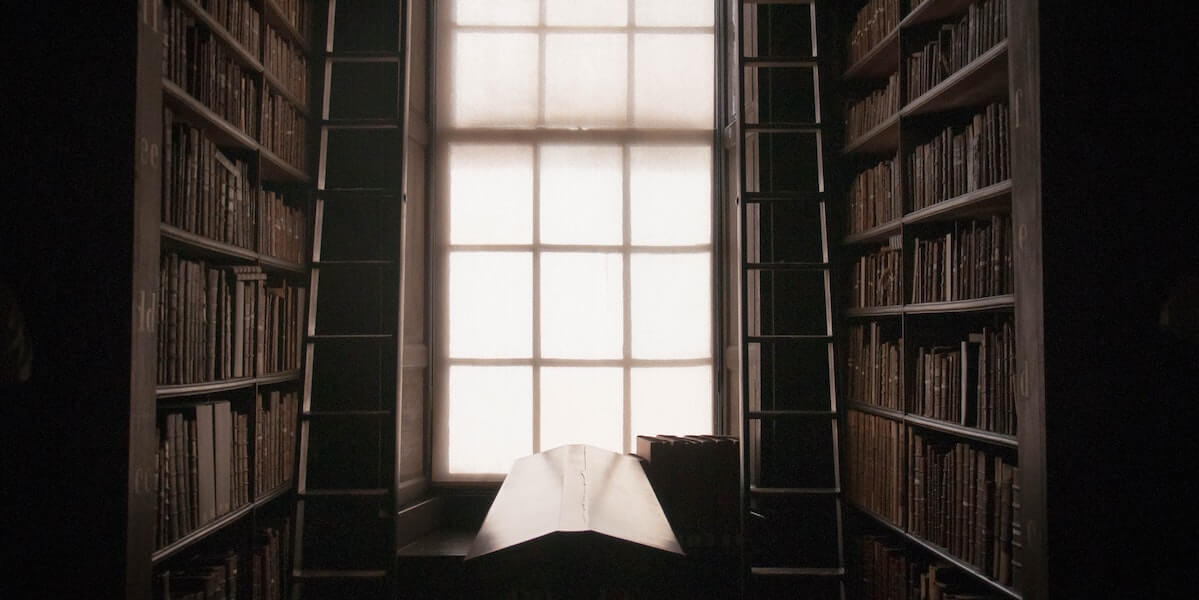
(875, 465)
(961, 159)
(877, 279)
(696, 478)
(974, 260)
(874, 22)
(874, 197)
(875, 367)
(203, 190)
(970, 383)
(202, 467)
(275, 414)
(285, 60)
(957, 44)
(284, 130)
(873, 110)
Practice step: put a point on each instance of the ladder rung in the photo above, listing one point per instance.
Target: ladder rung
(340, 574)
(364, 57)
(350, 263)
(780, 61)
(362, 124)
(350, 336)
(345, 413)
(788, 337)
(363, 191)
(782, 196)
(345, 492)
(783, 127)
(775, 491)
(788, 266)
(772, 414)
(798, 571)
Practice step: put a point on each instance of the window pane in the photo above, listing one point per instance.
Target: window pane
(671, 401)
(674, 12)
(671, 308)
(495, 12)
(586, 12)
(582, 406)
(490, 412)
(494, 79)
(673, 83)
(491, 194)
(491, 305)
(581, 194)
(581, 305)
(670, 189)
(586, 79)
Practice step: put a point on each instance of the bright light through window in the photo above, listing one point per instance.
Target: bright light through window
(575, 168)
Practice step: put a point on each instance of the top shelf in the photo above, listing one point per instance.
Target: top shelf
(934, 10)
(984, 79)
(245, 56)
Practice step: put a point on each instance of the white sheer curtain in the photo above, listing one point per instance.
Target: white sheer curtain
(575, 246)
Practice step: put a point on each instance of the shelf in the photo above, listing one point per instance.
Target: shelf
(1006, 301)
(200, 245)
(934, 10)
(209, 387)
(982, 80)
(188, 109)
(983, 201)
(273, 16)
(882, 60)
(244, 56)
(224, 385)
(980, 435)
(941, 553)
(875, 311)
(219, 523)
(883, 137)
(284, 377)
(276, 84)
(271, 263)
(877, 233)
(963, 431)
(889, 413)
(279, 170)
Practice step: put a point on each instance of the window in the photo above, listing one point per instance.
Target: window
(575, 161)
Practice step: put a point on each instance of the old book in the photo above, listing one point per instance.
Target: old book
(223, 456)
(206, 505)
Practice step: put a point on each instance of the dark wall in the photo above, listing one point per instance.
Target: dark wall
(65, 252)
(1120, 229)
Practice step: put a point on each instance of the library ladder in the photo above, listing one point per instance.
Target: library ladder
(345, 540)
(791, 494)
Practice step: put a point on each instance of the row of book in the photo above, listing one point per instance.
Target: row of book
(974, 260)
(197, 61)
(875, 367)
(282, 227)
(284, 130)
(960, 498)
(949, 493)
(875, 472)
(877, 279)
(874, 196)
(873, 110)
(202, 467)
(203, 190)
(297, 13)
(240, 18)
(222, 575)
(224, 322)
(695, 478)
(971, 383)
(960, 160)
(885, 571)
(284, 59)
(275, 423)
(874, 21)
(957, 44)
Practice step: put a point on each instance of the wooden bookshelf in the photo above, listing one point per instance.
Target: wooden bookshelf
(950, 103)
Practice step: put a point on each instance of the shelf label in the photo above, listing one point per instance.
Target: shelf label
(146, 311)
(148, 153)
(150, 15)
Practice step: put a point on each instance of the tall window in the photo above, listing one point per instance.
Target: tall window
(575, 249)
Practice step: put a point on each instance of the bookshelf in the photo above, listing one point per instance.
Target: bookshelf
(932, 313)
(228, 87)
